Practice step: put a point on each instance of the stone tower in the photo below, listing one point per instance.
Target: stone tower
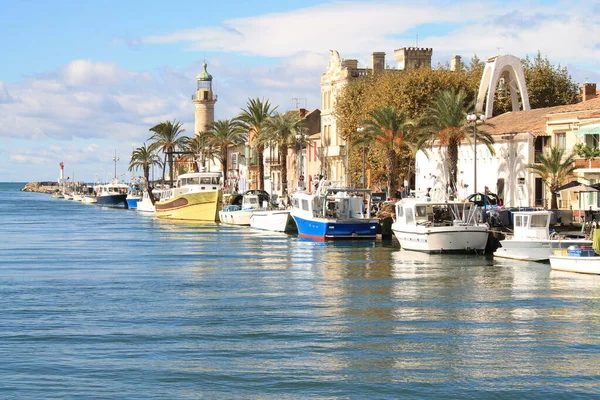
(413, 57)
(204, 102)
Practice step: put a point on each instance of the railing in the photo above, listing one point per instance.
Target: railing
(195, 97)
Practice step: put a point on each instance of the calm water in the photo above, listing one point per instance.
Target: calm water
(101, 303)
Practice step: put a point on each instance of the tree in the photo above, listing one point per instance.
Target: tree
(548, 85)
(586, 152)
(445, 123)
(389, 129)
(200, 146)
(222, 135)
(145, 159)
(166, 138)
(281, 129)
(252, 120)
(555, 167)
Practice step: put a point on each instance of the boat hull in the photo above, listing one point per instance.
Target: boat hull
(116, 200)
(331, 229)
(276, 220)
(443, 239)
(239, 217)
(197, 206)
(534, 249)
(145, 205)
(133, 202)
(582, 265)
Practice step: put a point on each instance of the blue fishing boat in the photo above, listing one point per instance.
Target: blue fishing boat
(134, 195)
(334, 212)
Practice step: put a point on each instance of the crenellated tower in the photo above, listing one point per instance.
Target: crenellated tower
(204, 102)
(413, 57)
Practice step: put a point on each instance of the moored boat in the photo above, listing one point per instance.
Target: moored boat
(134, 195)
(240, 210)
(333, 212)
(113, 194)
(196, 197)
(580, 259)
(273, 220)
(437, 227)
(531, 239)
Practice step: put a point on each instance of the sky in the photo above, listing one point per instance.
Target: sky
(83, 81)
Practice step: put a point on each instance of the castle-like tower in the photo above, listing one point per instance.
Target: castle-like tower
(204, 102)
(413, 57)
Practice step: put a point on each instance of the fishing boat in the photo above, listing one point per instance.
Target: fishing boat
(240, 210)
(273, 220)
(532, 240)
(197, 196)
(145, 204)
(438, 227)
(134, 195)
(333, 212)
(113, 194)
(581, 259)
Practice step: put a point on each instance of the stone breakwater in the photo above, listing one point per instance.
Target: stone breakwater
(41, 187)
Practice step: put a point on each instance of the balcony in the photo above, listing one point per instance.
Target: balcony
(582, 163)
(335, 151)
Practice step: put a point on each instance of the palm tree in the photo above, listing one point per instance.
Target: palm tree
(252, 120)
(143, 158)
(281, 129)
(445, 121)
(222, 135)
(166, 137)
(200, 146)
(389, 128)
(555, 168)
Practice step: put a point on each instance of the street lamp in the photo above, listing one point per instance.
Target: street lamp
(475, 119)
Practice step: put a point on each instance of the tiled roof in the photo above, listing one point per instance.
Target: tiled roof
(534, 121)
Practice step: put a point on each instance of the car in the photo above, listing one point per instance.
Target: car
(484, 199)
(262, 194)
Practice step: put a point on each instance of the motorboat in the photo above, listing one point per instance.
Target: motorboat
(333, 212)
(113, 194)
(145, 204)
(197, 196)
(581, 259)
(134, 195)
(439, 226)
(273, 220)
(240, 210)
(532, 240)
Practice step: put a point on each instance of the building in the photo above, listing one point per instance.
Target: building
(339, 73)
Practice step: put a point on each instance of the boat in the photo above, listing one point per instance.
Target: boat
(145, 204)
(112, 194)
(581, 259)
(273, 220)
(57, 195)
(333, 212)
(134, 195)
(439, 226)
(240, 210)
(89, 199)
(532, 240)
(197, 196)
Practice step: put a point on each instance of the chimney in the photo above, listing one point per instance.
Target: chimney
(455, 63)
(588, 91)
(378, 62)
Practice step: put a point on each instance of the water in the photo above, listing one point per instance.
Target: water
(103, 303)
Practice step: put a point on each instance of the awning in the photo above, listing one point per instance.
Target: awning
(592, 129)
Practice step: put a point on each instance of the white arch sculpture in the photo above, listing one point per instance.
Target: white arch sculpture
(494, 69)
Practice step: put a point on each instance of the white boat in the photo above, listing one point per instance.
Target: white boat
(89, 199)
(439, 227)
(532, 240)
(241, 209)
(112, 194)
(197, 196)
(273, 220)
(581, 259)
(145, 204)
(333, 212)
(77, 196)
(68, 196)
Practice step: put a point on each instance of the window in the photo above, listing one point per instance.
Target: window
(538, 221)
(234, 161)
(561, 140)
(592, 141)
(304, 204)
(409, 216)
(540, 143)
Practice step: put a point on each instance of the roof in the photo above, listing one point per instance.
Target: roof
(204, 75)
(534, 121)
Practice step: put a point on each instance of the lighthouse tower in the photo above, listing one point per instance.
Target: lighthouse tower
(204, 102)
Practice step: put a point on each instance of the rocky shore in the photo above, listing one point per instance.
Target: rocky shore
(41, 187)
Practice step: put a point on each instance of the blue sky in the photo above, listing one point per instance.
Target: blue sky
(79, 80)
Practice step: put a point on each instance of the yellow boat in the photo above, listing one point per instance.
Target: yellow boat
(196, 197)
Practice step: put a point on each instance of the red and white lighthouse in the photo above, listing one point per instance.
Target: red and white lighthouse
(61, 179)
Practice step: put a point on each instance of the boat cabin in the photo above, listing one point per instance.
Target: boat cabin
(205, 180)
(427, 213)
(332, 201)
(531, 224)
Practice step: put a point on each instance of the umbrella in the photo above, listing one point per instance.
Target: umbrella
(581, 188)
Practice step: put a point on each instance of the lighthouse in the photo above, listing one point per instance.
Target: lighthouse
(204, 102)
(61, 179)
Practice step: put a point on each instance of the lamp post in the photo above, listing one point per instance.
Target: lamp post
(115, 159)
(474, 119)
(361, 130)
